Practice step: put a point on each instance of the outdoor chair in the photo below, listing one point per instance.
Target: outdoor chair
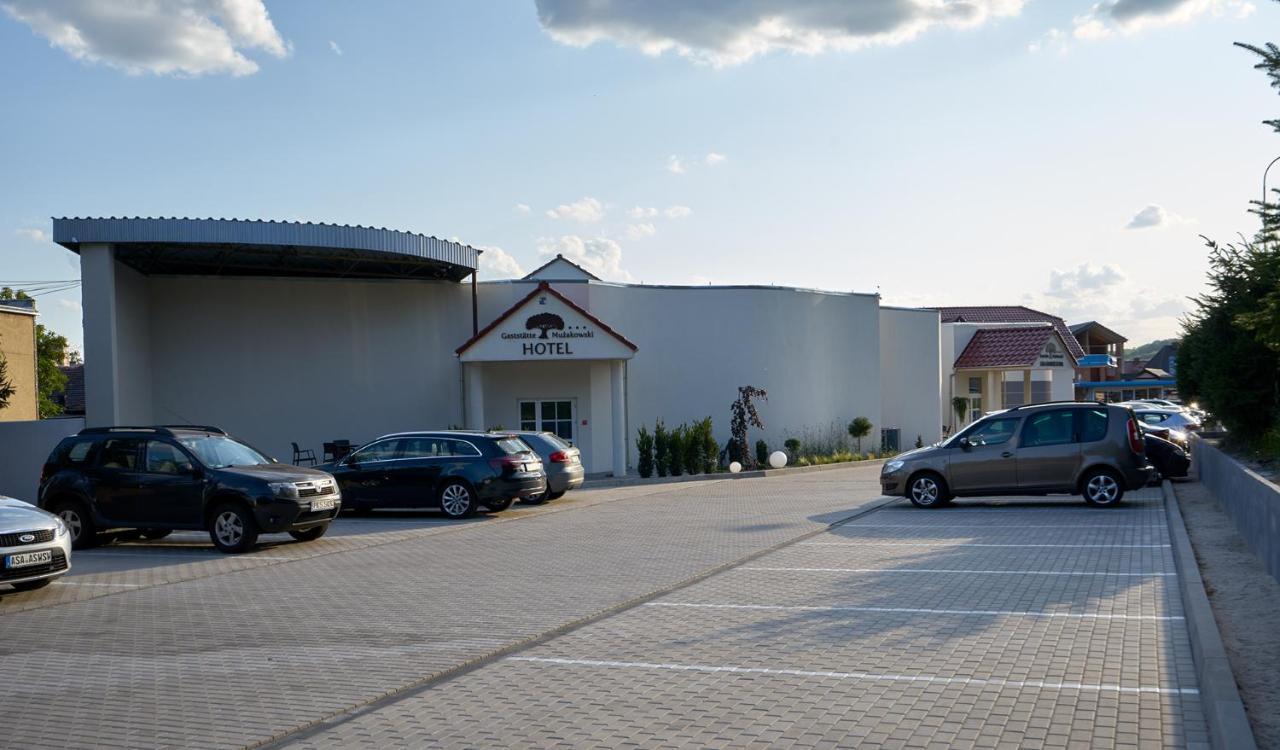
(301, 454)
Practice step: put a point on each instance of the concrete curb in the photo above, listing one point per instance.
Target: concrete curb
(1223, 709)
(608, 482)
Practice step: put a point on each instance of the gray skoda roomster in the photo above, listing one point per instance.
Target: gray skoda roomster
(1096, 450)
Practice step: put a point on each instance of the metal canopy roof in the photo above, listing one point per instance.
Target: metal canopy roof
(238, 247)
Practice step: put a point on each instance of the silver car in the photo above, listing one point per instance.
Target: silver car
(1174, 420)
(35, 546)
(562, 462)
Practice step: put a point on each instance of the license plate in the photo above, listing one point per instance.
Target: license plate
(323, 503)
(27, 559)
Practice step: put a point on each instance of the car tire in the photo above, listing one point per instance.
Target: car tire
(927, 490)
(32, 585)
(1102, 488)
(457, 499)
(152, 535)
(555, 495)
(84, 533)
(497, 506)
(233, 528)
(311, 534)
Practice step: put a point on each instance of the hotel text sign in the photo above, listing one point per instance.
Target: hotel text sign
(1052, 356)
(554, 338)
(547, 328)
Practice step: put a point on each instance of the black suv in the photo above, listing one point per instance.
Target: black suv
(454, 471)
(158, 479)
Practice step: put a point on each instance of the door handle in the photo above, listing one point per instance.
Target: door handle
(1007, 454)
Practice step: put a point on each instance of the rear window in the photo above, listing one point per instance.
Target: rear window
(1094, 425)
(72, 452)
(513, 445)
(555, 441)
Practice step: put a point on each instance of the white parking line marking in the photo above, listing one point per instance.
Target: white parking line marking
(87, 583)
(975, 572)
(874, 543)
(912, 610)
(1000, 526)
(1034, 684)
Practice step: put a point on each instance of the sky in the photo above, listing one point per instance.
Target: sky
(1061, 154)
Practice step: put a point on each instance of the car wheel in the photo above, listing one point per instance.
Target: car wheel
(1102, 488)
(927, 491)
(152, 535)
(457, 499)
(311, 534)
(33, 585)
(556, 495)
(84, 534)
(497, 506)
(233, 528)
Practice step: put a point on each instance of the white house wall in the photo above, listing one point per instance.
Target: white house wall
(278, 360)
(910, 374)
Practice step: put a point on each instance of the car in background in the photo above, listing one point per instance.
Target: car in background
(161, 479)
(1177, 437)
(1163, 403)
(454, 471)
(1168, 458)
(1174, 420)
(562, 462)
(1093, 449)
(35, 546)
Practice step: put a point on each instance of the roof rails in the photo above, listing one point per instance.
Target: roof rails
(1049, 403)
(164, 429)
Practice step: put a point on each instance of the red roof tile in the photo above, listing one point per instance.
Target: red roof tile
(1011, 314)
(1004, 347)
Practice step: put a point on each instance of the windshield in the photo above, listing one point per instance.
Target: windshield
(218, 452)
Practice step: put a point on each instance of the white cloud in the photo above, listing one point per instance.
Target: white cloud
(1054, 40)
(69, 304)
(675, 165)
(1153, 216)
(599, 255)
(677, 212)
(164, 37)
(1106, 294)
(640, 231)
(333, 47)
(642, 212)
(586, 210)
(729, 32)
(1085, 279)
(712, 159)
(496, 263)
(522, 208)
(33, 234)
(1132, 16)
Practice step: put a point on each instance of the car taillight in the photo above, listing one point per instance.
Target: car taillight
(559, 457)
(1136, 443)
(46, 471)
(504, 463)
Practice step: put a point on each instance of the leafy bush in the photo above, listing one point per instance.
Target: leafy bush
(675, 451)
(710, 449)
(762, 453)
(743, 414)
(661, 447)
(792, 446)
(919, 441)
(644, 449)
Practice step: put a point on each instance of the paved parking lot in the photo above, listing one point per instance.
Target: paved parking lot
(1036, 623)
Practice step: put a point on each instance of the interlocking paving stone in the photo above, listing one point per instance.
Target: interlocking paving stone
(814, 676)
(188, 649)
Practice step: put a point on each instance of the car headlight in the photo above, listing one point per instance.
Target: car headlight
(59, 528)
(283, 489)
(892, 466)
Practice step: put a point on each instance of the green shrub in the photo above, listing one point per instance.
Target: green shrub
(693, 448)
(792, 446)
(661, 447)
(919, 441)
(675, 451)
(762, 453)
(710, 449)
(644, 450)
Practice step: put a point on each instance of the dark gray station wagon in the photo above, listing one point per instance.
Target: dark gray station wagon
(1096, 450)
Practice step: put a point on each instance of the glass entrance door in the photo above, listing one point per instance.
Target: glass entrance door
(548, 416)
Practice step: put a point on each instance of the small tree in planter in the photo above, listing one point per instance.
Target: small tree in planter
(792, 447)
(960, 405)
(919, 441)
(762, 453)
(644, 451)
(693, 447)
(675, 451)
(661, 447)
(859, 428)
(744, 414)
(710, 449)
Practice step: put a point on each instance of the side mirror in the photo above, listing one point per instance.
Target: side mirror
(965, 444)
(350, 460)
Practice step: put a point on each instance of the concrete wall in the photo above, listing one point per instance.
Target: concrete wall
(306, 360)
(1251, 501)
(817, 355)
(911, 374)
(26, 446)
(18, 347)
